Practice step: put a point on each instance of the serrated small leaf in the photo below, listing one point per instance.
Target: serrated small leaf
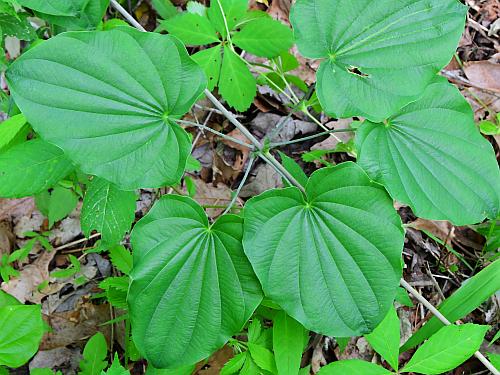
(342, 342)
(226, 11)
(196, 8)
(263, 357)
(21, 330)
(234, 364)
(193, 29)
(190, 279)
(31, 167)
(287, 61)
(40, 371)
(249, 367)
(254, 330)
(210, 61)
(447, 349)
(165, 8)
(193, 165)
(237, 85)
(264, 37)
(495, 338)
(116, 368)
(121, 258)
(108, 210)
(386, 337)
(116, 290)
(115, 98)
(305, 371)
(353, 367)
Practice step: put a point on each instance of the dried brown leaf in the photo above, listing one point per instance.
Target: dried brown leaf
(76, 326)
(25, 287)
(484, 74)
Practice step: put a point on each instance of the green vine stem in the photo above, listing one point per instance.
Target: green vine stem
(272, 161)
(228, 36)
(225, 136)
(240, 186)
(298, 140)
(445, 321)
(258, 145)
(266, 156)
(115, 4)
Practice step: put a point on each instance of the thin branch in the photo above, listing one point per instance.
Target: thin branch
(283, 121)
(77, 242)
(271, 160)
(240, 186)
(211, 109)
(200, 132)
(228, 36)
(127, 15)
(265, 155)
(445, 321)
(319, 123)
(225, 136)
(312, 137)
(283, 77)
(270, 82)
(258, 145)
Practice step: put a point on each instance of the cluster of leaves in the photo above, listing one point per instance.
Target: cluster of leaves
(446, 346)
(6, 269)
(276, 350)
(107, 104)
(444, 351)
(228, 24)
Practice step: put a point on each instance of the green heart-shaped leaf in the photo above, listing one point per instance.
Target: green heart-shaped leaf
(192, 286)
(331, 259)
(108, 99)
(380, 54)
(432, 157)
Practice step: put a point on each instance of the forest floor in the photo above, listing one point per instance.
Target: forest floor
(439, 257)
